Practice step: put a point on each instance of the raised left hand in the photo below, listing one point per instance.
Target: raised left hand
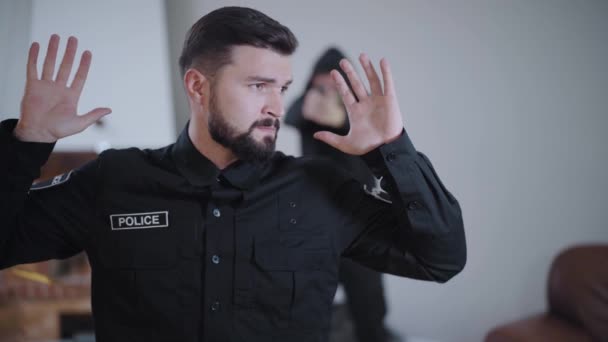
(375, 119)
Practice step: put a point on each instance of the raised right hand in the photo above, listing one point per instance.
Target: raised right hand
(48, 107)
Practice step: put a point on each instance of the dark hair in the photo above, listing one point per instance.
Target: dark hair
(210, 40)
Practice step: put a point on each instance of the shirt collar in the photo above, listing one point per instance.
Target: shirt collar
(200, 171)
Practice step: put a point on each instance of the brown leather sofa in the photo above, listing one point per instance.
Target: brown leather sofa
(578, 301)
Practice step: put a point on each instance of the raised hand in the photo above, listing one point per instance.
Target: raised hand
(375, 119)
(48, 107)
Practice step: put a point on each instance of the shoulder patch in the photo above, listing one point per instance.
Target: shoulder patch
(57, 180)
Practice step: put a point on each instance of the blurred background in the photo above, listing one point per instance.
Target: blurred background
(509, 99)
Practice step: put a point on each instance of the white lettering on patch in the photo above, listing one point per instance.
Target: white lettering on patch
(157, 219)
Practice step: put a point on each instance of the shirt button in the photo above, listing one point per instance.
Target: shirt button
(413, 205)
(215, 259)
(292, 204)
(293, 221)
(391, 156)
(216, 212)
(215, 306)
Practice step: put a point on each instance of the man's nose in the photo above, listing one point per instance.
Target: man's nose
(275, 106)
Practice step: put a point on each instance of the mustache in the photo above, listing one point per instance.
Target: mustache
(268, 122)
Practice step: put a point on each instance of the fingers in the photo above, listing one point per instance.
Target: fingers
(83, 70)
(389, 87)
(347, 96)
(358, 87)
(32, 60)
(91, 117)
(68, 59)
(48, 68)
(372, 75)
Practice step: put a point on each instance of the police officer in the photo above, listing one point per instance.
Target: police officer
(217, 237)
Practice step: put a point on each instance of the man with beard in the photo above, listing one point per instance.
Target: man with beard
(217, 237)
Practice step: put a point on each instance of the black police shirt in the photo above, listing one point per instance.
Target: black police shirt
(183, 251)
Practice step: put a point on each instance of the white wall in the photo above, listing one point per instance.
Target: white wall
(509, 99)
(15, 19)
(130, 70)
(179, 18)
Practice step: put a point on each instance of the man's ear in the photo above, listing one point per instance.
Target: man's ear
(194, 84)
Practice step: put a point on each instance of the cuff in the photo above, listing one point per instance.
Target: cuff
(400, 148)
(28, 156)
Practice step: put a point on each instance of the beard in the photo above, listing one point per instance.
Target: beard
(243, 145)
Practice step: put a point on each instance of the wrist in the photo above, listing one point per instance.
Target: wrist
(26, 134)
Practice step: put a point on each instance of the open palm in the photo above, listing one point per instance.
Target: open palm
(375, 118)
(49, 106)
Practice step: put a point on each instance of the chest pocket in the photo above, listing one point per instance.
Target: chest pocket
(139, 273)
(294, 281)
(152, 234)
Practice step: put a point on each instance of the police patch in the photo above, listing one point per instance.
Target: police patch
(157, 219)
(57, 180)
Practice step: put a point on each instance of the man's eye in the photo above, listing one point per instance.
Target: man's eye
(259, 86)
(283, 90)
